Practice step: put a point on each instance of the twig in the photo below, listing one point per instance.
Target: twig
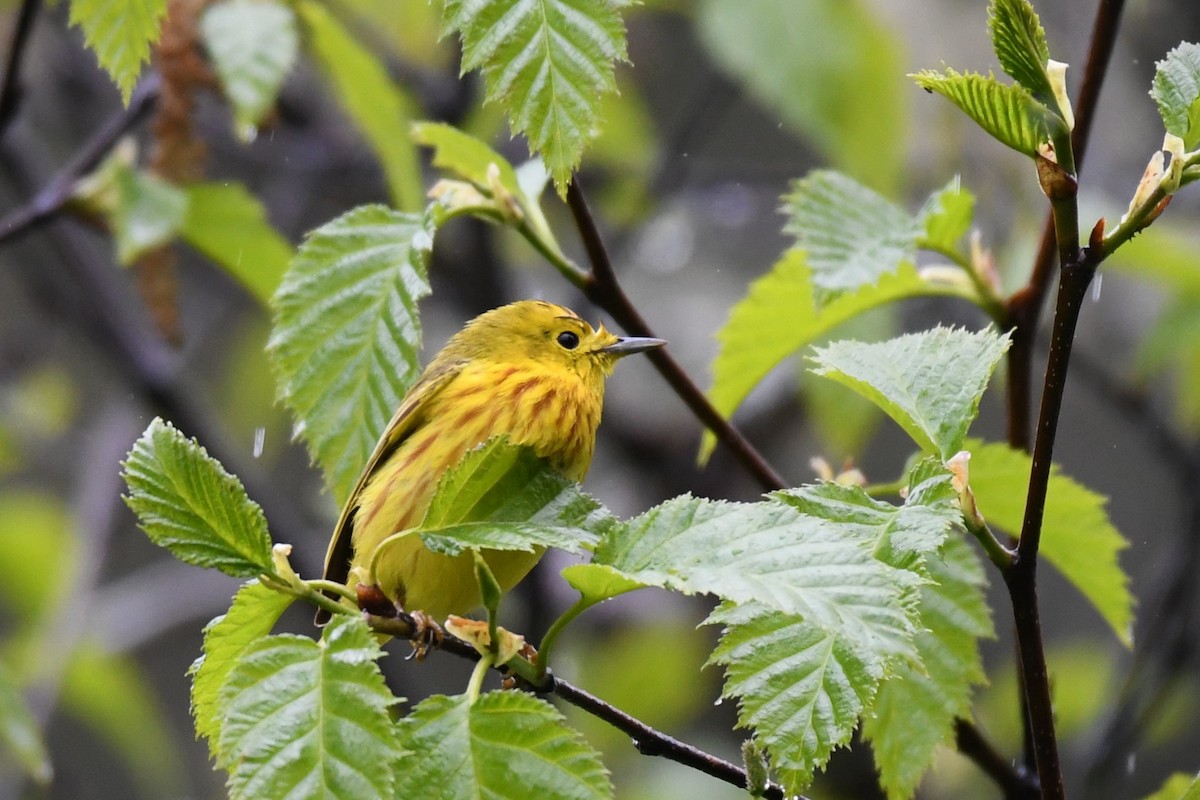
(10, 89)
(1016, 784)
(648, 741)
(603, 289)
(57, 192)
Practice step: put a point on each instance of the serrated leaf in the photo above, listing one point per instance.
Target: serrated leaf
(120, 34)
(377, 106)
(946, 217)
(253, 47)
(1020, 44)
(1176, 90)
(852, 235)
(1008, 113)
(229, 225)
(110, 694)
(800, 687)
(506, 744)
(779, 316)
(254, 611)
(148, 213)
(186, 501)
(305, 719)
(828, 68)
(766, 553)
(916, 706)
(504, 497)
(1078, 538)
(19, 734)
(930, 383)
(548, 62)
(347, 334)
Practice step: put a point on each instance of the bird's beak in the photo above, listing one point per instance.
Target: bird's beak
(627, 345)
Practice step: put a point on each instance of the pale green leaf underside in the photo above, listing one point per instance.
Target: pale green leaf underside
(229, 225)
(916, 707)
(1009, 113)
(851, 235)
(372, 100)
(120, 34)
(19, 734)
(1020, 44)
(1078, 538)
(766, 553)
(186, 501)
(253, 47)
(779, 316)
(930, 383)
(305, 719)
(800, 687)
(505, 745)
(347, 334)
(253, 614)
(548, 62)
(597, 582)
(946, 217)
(1176, 90)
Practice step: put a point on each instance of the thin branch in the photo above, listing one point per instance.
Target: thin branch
(58, 191)
(11, 90)
(604, 289)
(648, 741)
(1016, 785)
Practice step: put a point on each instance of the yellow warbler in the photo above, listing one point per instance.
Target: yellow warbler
(530, 370)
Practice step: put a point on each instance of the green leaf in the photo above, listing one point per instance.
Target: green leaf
(918, 702)
(347, 334)
(19, 734)
(548, 62)
(1077, 536)
(829, 68)
(504, 497)
(946, 218)
(1180, 786)
(779, 316)
(111, 694)
(120, 34)
(148, 213)
(598, 582)
(506, 744)
(253, 614)
(766, 553)
(1020, 44)
(1008, 113)
(253, 47)
(800, 687)
(375, 104)
(187, 502)
(930, 383)
(228, 224)
(852, 235)
(307, 719)
(1176, 90)
(39, 540)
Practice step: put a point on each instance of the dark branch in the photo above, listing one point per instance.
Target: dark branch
(605, 290)
(58, 191)
(10, 85)
(1016, 785)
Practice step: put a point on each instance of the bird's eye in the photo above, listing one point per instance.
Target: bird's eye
(568, 340)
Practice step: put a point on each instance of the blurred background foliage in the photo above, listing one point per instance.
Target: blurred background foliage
(723, 104)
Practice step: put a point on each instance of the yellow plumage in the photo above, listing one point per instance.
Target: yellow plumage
(532, 371)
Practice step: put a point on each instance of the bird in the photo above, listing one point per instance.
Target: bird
(531, 371)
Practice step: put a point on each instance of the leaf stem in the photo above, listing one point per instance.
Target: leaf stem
(322, 585)
(559, 625)
(486, 660)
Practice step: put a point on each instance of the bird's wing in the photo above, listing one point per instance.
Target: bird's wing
(408, 418)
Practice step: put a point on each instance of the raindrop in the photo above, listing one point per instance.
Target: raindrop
(249, 133)
(1130, 763)
(260, 438)
(1096, 284)
(719, 700)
